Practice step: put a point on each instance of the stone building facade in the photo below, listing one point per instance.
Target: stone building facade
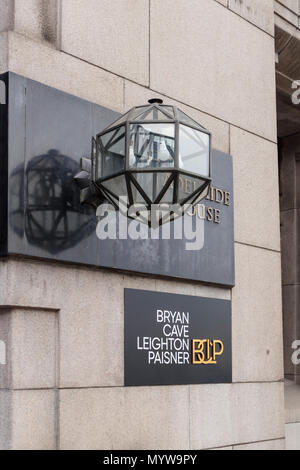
(63, 386)
(287, 72)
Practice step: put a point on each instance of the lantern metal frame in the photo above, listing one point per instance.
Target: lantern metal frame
(97, 193)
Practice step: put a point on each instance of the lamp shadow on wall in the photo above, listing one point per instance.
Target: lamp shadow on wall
(45, 203)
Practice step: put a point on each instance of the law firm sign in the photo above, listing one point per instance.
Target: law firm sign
(172, 339)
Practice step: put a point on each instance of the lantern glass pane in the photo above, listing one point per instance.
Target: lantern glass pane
(135, 112)
(112, 153)
(169, 110)
(152, 185)
(122, 119)
(185, 119)
(202, 195)
(152, 146)
(153, 114)
(116, 185)
(187, 185)
(193, 150)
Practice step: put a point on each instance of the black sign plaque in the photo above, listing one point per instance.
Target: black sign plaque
(172, 339)
(44, 133)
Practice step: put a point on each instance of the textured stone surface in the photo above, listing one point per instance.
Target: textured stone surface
(113, 35)
(92, 332)
(192, 289)
(5, 331)
(222, 415)
(293, 5)
(292, 436)
(119, 418)
(260, 13)
(6, 419)
(33, 420)
(33, 287)
(37, 19)
(277, 444)
(223, 65)
(33, 353)
(289, 14)
(256, 304)
(64, 72)
(28, 420)
(255, 164)
(6, 15)
(223, 448)
(3, 52)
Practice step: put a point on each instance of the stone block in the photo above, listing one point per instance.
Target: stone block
(285, 12)
(6, 15)
(5, 421)
(34, 354)
(92, 332)
(256, 304)
(190, 288)
(125, 418)
(223, 415)
(222, 64)
(3, 52)
(5, 338)
(37, 19)
(112, 35)
(256, 190)
(34, 60)
(31, 339)
(28, 420)
(257, 12)
(292, 436)
(292, 5)
(33, 420)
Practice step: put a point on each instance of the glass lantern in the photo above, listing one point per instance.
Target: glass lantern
(154, 157)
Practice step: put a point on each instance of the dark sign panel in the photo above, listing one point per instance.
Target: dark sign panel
(44, 134)
(172, 339)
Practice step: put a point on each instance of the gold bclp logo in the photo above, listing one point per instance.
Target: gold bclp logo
(204, 351)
